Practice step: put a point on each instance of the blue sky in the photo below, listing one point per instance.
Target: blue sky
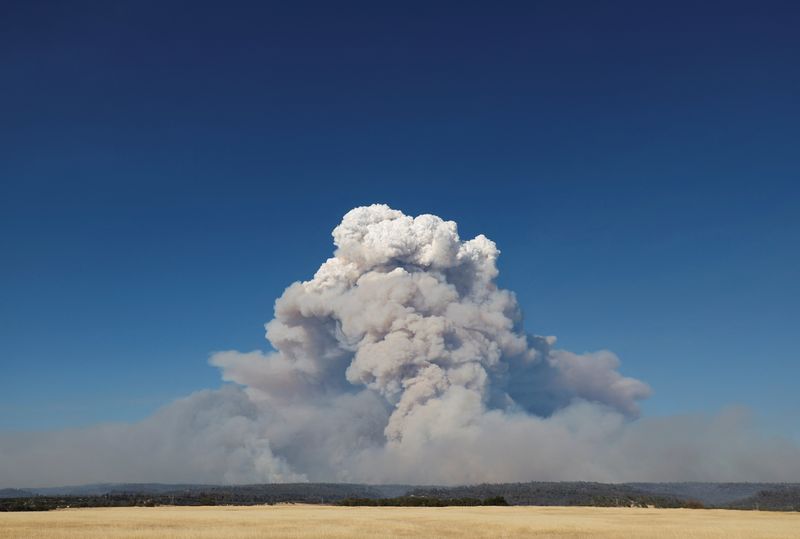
(167, 168)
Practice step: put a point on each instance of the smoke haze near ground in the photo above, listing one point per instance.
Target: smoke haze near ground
(402, 361)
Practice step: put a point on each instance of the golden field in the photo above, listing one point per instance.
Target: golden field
(309, 521)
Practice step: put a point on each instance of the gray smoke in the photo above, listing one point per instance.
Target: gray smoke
(402, 361)
(408, 311)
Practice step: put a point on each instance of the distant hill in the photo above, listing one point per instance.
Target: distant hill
(14, 493)
(98, 489)
(709, 493)
(764, 496)
(561, 493)
(128, 495)
(297, 492)
(775, 498)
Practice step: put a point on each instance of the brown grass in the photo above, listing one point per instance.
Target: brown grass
(308, 521)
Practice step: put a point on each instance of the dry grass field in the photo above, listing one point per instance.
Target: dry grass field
(304, 521)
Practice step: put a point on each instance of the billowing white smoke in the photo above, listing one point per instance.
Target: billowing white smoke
(407, 310)
(401, 361)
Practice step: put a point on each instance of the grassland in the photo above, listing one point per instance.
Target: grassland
(307, 521)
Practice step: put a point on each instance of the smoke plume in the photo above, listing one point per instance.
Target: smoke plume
(402, 361)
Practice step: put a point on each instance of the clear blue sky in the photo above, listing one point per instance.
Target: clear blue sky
(167, 168)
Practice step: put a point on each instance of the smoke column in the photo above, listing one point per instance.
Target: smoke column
(402, 361)
(411, 314)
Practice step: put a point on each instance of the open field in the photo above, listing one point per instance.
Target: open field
(309, 521)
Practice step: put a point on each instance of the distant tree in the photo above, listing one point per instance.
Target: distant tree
(495, 500)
